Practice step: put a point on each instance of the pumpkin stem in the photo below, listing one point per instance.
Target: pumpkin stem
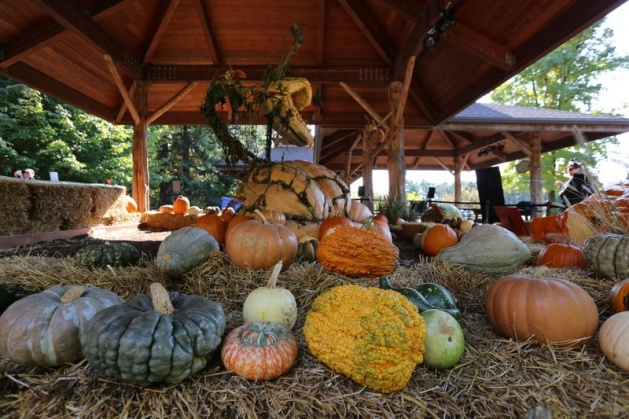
(74, 292)
(274, 274)
(264, 220)
(161, 299)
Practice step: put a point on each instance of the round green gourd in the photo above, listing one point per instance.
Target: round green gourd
(489, 249)
(183, 250)
(607, 255)
(101, 255)
(153, 338)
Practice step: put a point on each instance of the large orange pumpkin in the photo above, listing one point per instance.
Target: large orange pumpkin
(260, 245)
(545, 310)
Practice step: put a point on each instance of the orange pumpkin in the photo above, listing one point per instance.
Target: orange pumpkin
(619, 296)
(214, 225)
(260, 245)
(332, 222)
(545, 310)
(438, 237)
(181, 205)
(543, 228)
(380, 217)
(259, 350)
(272, 216)
(236, 219)
(561, 255)
(131, 205)
(227, 214)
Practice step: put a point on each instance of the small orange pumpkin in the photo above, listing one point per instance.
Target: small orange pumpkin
(619, 296)
(543, 228)
(561, 255)
(438, 237)
(181, 205)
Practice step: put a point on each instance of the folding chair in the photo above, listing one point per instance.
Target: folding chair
(511, 219)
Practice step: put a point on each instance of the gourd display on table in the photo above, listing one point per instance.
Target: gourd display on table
(101, 255)
(373, 336)
(45, 328)
(183, 250)
(154, 338)
(543, 309)
(259, 350)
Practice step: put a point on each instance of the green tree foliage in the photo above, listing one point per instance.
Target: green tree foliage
(45, 135)
(565, 79)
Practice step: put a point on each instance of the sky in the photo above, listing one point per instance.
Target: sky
(614, 95)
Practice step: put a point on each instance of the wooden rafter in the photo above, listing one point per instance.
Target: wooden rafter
(73, 19)
(356, 10)
(166, 106)
(522, 145)
(482, 46)
(122, 88)
(160, 24)
(206, 26)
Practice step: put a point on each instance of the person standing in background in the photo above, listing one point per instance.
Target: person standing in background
(29, 174)
(577, 188)
(18, 174)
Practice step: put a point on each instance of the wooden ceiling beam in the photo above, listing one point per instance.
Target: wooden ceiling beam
(522, 145)
(73, 18)
(380, 76)
(208, 33)
(166, 106)
(46, 33)
(481, 46)
(128, 100)
(368, 27)
(411, 9)
(159, 25)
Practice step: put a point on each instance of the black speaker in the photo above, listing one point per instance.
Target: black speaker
(361, 191)
(431, 193)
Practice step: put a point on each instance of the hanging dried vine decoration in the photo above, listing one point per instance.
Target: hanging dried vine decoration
(253, 102)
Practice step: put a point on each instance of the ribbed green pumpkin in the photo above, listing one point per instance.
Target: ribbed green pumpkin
(183, 250)
(101, 255)
(154, 338)
(607, 255)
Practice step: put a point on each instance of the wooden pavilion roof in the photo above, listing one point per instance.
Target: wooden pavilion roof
(96, 54)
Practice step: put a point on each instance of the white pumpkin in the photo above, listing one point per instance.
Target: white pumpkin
(271, 303)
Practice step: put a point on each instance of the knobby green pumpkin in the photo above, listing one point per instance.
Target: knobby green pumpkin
(607, 255)
(183, 250)
(153, 338)
(101, 255)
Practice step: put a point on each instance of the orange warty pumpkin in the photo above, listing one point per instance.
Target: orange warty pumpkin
(545, 310)
(561, 255)
(181, 205)
(438, 237)
(619, 296)
(214, 225)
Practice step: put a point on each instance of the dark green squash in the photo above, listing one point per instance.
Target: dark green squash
(307, 249)
(154, 338)
(101, 255)
(607, 255)
(183, 250)
(429, 296)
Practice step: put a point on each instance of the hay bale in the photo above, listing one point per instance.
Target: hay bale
(495, 378)
(37, 206)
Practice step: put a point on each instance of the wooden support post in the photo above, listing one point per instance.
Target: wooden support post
(535, 173)
(140, 179)
(395, 153)
(368, 168)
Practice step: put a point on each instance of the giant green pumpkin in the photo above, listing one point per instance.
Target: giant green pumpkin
(607, 255)
(101, 255)
(183, 250)
(153, 338)
(447, 210)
